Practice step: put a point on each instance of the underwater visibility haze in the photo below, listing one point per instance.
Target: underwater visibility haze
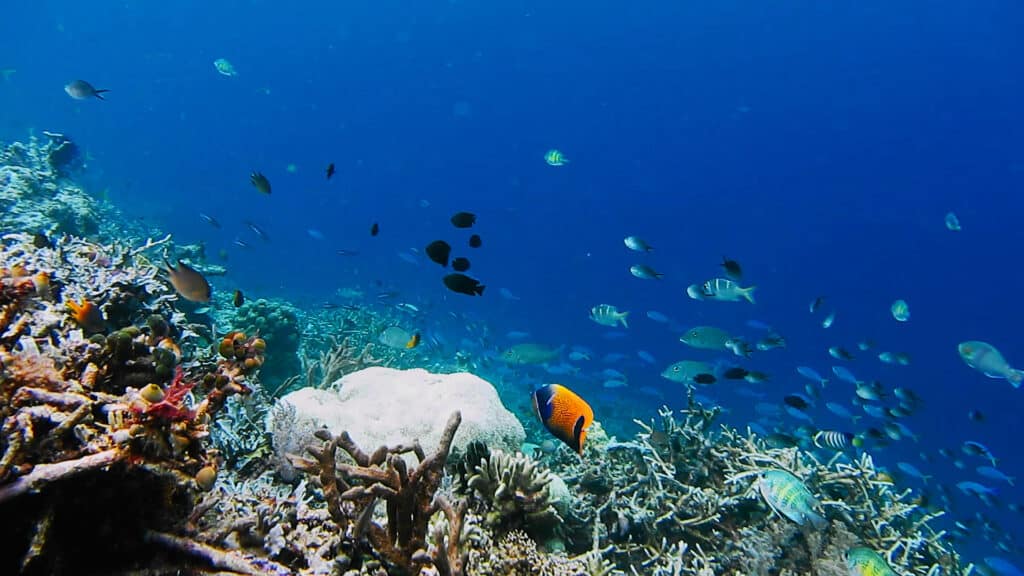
(736, 285)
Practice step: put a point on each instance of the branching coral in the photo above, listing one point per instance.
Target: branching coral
(352, 491)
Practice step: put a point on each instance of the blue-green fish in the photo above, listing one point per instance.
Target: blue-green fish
(900, 310)
(706, 338)
(984, 358)
(866, 562)
(555, 158)
(789, 497)
(530, 353)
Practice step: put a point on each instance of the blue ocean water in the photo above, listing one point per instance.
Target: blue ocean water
(820, 144)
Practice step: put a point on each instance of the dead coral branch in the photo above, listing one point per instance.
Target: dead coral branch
(409, 496)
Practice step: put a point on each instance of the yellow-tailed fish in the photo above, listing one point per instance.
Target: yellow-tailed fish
(789, 497)
(862, 561)
(564, 414)
(413, 342)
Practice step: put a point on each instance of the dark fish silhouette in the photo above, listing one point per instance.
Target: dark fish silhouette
(460, 264)
(260, 182)
(438, 251)
(475, 241)
(464, 220)
(238, 299)
(375, 229)
(732, 269)
(330, 170)
(463, 284)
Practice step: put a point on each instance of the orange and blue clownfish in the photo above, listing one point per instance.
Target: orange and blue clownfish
(564, 414)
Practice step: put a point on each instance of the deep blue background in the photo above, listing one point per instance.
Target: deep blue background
(819, 143)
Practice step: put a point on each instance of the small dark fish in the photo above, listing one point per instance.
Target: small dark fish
(330, 170)
(705, 378)
(260, 182)
(344, 252)
(463, 284)
(754, 377)
(238, 299)
(782, 440)
(82, 90)
(460, 264)
(732, 269)
(257, 231)
(475, 241)
(464, 220)
(387, 295)
(330, 306)
(816, 304)
(375, 229)
(438, 251)
(40, 240)
(796, 401)
(736, 373)
(976, 416)
(209, 220)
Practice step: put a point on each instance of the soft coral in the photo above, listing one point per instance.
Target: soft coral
(172, 407)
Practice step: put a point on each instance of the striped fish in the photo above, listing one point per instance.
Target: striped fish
(832, 439)
(725, 290)
(789, 497)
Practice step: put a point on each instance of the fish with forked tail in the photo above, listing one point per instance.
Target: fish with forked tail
(564, 414)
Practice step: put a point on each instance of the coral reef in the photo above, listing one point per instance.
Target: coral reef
(515, 494)
(135, 438)
(34, 194)
(119, 416)
(277, 322)
(682, 499)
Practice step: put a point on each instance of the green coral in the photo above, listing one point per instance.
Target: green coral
(278, 323)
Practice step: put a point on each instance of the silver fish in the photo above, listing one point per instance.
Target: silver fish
(645, 272)
(82, 90)
(636, 244)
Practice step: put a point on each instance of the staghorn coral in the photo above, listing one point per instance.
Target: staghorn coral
(681, 499)
(410, 497)
(514, 491)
